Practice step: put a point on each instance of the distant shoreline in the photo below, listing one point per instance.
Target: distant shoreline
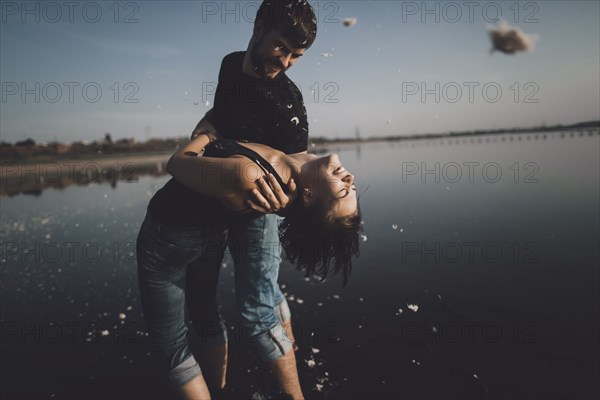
(106, 160)
(33, 175)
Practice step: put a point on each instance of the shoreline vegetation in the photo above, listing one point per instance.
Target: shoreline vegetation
(28, 151)
(29, 168)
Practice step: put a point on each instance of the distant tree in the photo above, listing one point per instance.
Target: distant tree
(107, 138)
(26, 143)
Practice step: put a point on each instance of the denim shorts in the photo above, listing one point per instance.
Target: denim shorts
(256, 251)
(180, 266)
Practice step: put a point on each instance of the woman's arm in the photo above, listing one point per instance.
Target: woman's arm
(237, 182)
(219, 178)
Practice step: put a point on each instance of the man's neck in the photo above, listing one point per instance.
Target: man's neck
(247, 67)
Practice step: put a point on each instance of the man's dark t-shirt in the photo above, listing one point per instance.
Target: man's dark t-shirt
(263, 111)
(266, 111)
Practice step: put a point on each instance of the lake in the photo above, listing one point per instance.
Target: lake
(478, 278)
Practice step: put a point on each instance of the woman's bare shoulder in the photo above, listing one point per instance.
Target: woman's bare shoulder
(268, 153)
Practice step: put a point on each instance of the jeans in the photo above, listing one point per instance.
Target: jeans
(180, 266)
(256, 252)
(170, 261)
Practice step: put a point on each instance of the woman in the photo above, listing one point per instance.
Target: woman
(319, 233)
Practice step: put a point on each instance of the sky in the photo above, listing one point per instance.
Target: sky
(76, 70)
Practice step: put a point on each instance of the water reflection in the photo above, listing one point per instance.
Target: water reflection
(508, 262)
(34, 179)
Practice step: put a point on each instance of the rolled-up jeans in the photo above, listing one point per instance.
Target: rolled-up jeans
(179, 266)
(256, 252)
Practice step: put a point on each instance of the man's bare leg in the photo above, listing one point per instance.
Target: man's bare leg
(286, 372)
(214, 366)
(195, 389)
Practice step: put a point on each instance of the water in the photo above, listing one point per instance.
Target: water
(478, 278)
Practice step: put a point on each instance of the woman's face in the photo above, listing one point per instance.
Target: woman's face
(330, 182)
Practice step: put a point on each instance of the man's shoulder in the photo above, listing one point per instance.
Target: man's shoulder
(235, 58)
(290, 83)
(231, 66)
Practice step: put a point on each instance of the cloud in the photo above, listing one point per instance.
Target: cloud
(111, 44)
(136, 48)
(510, 40)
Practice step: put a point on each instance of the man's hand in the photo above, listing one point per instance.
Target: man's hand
(270, 197)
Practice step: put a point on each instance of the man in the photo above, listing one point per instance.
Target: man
(256, 101)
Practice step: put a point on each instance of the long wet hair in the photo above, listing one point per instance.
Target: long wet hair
(318, 243)
(295, 18)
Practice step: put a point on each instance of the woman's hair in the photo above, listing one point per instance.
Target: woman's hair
(295, 18)
(314, 240)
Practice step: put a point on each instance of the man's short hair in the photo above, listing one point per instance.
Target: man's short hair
(295, 19)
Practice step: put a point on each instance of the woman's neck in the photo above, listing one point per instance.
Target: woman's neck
(293, 164)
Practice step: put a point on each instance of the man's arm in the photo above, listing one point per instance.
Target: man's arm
(205, 126)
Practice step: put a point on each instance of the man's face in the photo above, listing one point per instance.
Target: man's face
(272, 54)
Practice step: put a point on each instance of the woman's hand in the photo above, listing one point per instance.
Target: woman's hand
(270, 197)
